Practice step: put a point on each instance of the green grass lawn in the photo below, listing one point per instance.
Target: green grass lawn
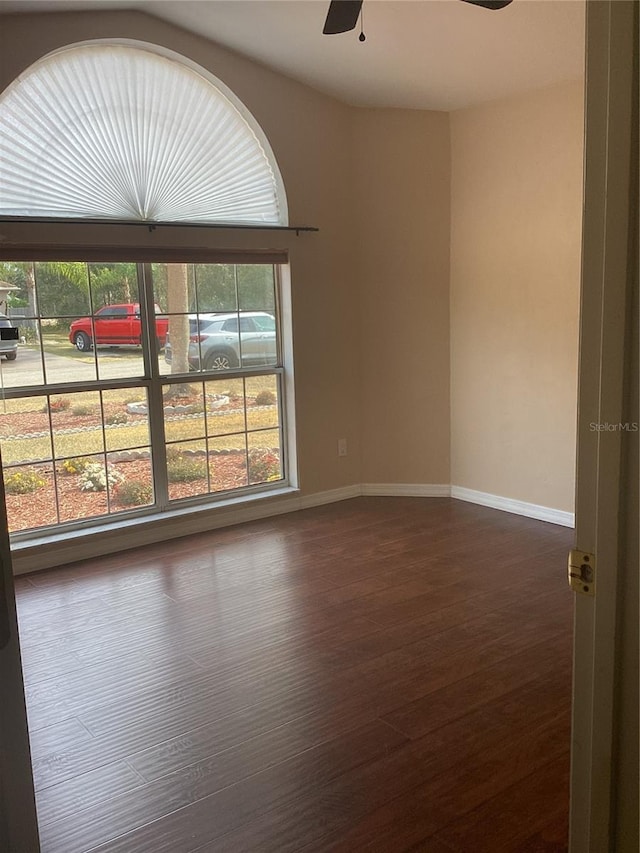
(225, 431)
(58, 343)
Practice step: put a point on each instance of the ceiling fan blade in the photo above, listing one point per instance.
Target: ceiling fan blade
(342, 16)
(489, 4)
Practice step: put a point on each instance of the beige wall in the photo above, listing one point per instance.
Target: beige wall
(515, 273)
(402, 191)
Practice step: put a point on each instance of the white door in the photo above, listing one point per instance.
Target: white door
(604, 346)
(18, 826)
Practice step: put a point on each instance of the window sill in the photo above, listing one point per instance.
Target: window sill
(59, 548)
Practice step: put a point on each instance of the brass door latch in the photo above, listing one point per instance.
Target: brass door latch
(582, 572)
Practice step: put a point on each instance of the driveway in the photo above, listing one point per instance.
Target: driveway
(26, 370)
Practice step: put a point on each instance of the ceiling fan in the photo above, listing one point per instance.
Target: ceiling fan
(343, 14)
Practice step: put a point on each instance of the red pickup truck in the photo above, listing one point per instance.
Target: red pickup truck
(115, 325)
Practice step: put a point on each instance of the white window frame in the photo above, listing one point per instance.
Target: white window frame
(152, 381)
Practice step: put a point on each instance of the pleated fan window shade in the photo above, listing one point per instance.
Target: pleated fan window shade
(110, 131)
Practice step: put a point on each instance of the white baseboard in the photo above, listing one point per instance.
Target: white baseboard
(407, 490)
(542, 513)
(331, 496)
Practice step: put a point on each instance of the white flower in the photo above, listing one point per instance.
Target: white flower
(94, 478)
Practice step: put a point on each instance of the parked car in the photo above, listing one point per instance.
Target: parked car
(225, 341)
(9, 347)
(115, 325)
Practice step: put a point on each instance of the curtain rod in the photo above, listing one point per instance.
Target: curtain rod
(152, 226)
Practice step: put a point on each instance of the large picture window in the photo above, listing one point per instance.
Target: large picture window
(136, 387)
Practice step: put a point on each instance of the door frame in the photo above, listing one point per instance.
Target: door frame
(18, 820)
(604, 346)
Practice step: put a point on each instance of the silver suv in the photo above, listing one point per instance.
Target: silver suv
(9, 346)
(225, 341)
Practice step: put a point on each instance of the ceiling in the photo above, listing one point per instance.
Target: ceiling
(419, 54)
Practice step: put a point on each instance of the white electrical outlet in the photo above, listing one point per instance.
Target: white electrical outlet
(342, 447)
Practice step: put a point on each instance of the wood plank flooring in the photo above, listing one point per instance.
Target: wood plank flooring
(381, 674)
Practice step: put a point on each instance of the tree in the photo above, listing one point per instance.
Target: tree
(216, 288)
(256, 287)
(113, 283)
(177, 308)
(62, 289)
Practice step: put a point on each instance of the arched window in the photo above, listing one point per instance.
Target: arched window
(120, 131)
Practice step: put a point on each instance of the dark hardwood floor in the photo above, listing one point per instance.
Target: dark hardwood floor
(382, 674)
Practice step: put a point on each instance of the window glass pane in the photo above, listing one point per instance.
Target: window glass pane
(21, 297)
(187, 469)
(63, 362)
(113, 286)
(181, 350)
(225, 406)
(80, 333)
(76, 423)
(264, 456)
(174, 288)
(120, 361)
(258, 339)
(216, 288)
(227, 464)
(256, 288)
(135, 489)
(183, 412)
(24, 430)
(115, 328)
(126, 418)
(30, 496)
(21, 361)
(82, 487)
(111, 327)
(62, 289)
(262, 402)
(175, 305)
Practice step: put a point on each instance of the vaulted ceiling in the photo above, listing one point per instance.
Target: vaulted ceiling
(418, 54)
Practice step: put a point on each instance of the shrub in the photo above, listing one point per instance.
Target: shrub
(116, 418)
(134, 493)
(184, 469)
(265, 398)
(29, 334)
(76, 465)
(264, 466)
(58, 404)
(23, 482)
(181, 390)
(80, 411)
(94, 477)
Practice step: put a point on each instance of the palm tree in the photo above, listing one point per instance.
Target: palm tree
(177, 308)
